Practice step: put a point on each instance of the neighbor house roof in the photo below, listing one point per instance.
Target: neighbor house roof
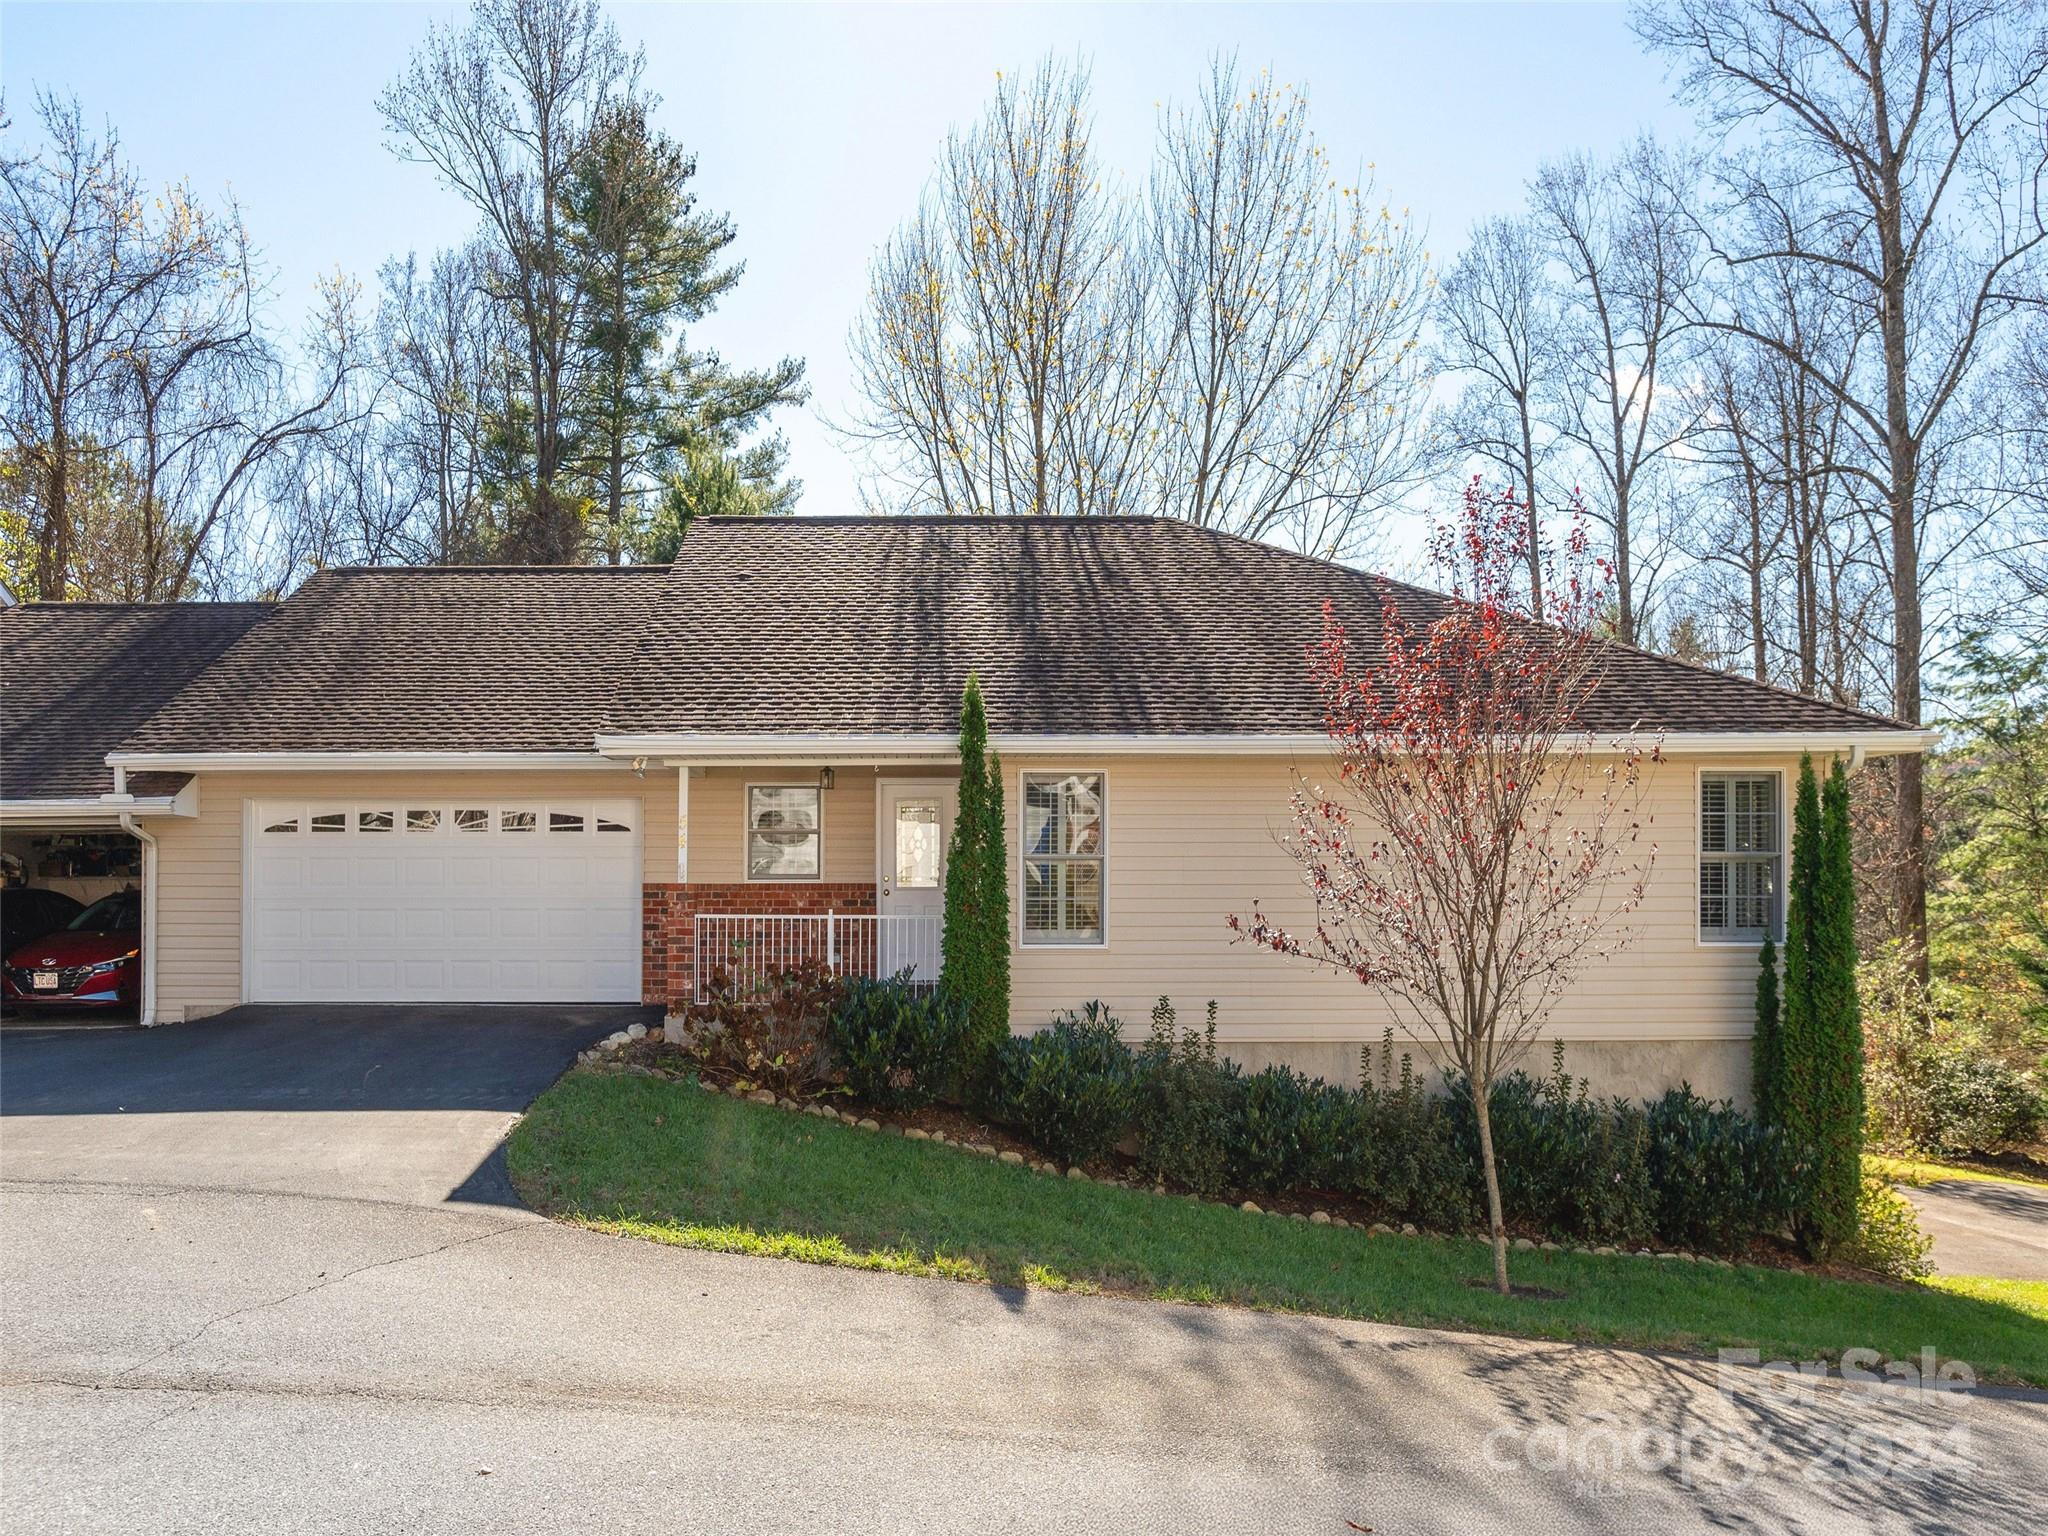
(1108, 626)
(439, 659)
(76, 678)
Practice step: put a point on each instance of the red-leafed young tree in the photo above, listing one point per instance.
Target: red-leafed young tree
(1482, 844)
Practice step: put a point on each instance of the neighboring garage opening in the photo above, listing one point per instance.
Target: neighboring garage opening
(437, 898)
(71, 921)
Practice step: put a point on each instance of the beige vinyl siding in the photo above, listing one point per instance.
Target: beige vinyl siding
(199, 859)
(718, 820)
(1191, 840)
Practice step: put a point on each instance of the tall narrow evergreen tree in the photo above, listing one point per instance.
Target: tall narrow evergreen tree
(1796, 996)
(976, 942)
(994, 905)
(1833, 1069)
(1766, 1051)
(1811, 1079)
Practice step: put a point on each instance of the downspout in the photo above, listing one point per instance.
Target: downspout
(147, 1014)
(1855, 758)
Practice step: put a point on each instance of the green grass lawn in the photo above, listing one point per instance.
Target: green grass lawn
(1915, 1172)
(648, 1158)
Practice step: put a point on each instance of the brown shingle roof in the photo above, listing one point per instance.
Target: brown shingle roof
(75, 678)
(1077, 626)
(475, 659)
(854, 626)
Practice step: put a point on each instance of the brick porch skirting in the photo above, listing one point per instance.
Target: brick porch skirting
(668, 944)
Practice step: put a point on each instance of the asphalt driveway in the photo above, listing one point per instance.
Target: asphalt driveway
(386, 1103)
(1981, 1227)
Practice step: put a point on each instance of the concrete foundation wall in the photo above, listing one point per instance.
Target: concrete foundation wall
(1635, 1069)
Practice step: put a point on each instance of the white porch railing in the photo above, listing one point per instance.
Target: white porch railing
(753, 948)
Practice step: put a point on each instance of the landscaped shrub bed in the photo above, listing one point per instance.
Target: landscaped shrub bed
(1678, 1173)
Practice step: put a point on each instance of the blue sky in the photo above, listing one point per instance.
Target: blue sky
(816, 126)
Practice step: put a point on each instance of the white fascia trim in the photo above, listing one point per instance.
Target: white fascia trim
(1854, 743)
(308, 762)
(91, 811)
(687, 748)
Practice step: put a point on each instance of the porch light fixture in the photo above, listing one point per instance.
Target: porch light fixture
(827, 778)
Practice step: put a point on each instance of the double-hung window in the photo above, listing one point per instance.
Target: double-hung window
(1064, 846)
(1742, 845)
(783, 822)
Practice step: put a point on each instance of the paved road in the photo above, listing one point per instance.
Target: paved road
(181, 1358)
(1982, 1228)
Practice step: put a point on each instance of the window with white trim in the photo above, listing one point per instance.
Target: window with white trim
(783, 832)
(1742, 847)
(1064, 849)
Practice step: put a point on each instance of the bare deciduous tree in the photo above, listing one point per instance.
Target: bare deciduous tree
(1497, 330)
(145, 370)
(208, 401)
(1289, 304)
(1629, 258)
(1238, 349)
(1002, 359)
(1896, 156)
(437, 337)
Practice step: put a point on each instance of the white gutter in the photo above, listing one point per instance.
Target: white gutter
(933, 746)
(147, 1014)
(696, 748)
(93, 810)
(309, 762)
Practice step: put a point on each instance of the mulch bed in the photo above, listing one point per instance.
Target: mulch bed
(958, 1127)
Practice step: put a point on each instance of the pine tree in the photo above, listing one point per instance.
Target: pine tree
(656, 421)
(976, 944)
(1767, 1065)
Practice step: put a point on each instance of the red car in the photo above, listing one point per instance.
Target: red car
(93, 962)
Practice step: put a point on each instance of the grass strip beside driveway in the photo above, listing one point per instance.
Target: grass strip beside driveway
(649, 1158)
(1917, 1173)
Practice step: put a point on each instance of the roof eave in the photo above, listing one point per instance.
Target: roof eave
(92, 810)
(366, 761)
(687, 746)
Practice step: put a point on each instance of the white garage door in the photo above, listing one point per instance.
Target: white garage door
(424, 900)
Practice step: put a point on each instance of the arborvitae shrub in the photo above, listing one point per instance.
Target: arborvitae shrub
(975, 944)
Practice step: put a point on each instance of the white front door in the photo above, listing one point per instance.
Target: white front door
(432, 899)
(914, 824)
